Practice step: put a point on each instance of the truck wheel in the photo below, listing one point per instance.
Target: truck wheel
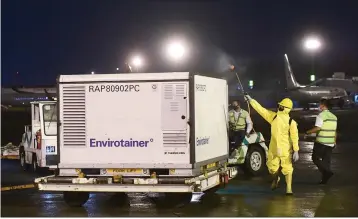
(255, 161)
(23, 163)
(35, 165)
(75, 199)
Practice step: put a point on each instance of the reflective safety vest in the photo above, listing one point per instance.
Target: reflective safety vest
(327, 133)
(240, 122)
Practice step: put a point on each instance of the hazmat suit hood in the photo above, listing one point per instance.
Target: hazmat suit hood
(285, 106)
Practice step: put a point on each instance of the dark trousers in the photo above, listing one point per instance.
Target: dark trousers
(237, 137)
(321, 156)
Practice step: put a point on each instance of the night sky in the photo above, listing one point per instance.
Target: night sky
(41, 39)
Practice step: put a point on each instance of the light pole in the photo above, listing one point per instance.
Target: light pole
(312, 44)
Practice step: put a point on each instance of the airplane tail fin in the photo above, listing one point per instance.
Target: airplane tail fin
(290, 78)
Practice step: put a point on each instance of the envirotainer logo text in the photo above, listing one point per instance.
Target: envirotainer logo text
(119, 143)
(202, 141)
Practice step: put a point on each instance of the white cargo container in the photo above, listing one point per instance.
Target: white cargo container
(143, 132)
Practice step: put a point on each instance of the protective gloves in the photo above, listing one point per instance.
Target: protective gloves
(295, 156)
(247, 97)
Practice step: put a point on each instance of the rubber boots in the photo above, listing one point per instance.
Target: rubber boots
(289, 184)
(275, 180)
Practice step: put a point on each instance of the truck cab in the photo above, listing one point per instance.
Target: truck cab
(38, 147)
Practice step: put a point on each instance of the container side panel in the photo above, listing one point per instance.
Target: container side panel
(129, 123)
(211, 106)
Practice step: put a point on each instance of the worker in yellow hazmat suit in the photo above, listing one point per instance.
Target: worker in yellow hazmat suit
(284, 141)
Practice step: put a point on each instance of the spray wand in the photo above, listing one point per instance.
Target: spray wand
(232, 68)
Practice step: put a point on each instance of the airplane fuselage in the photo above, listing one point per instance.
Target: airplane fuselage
(306, 94)
(313, 94)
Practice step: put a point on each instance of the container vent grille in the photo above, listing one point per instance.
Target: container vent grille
(175, 139)
(174, 94)
(180, 90)
(173, 91)
(74, 116)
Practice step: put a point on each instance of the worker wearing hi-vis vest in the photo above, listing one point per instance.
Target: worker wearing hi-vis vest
(284, 140)
(326, 129)
(240, 125)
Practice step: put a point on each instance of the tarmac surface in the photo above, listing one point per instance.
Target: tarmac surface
(242, 197)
